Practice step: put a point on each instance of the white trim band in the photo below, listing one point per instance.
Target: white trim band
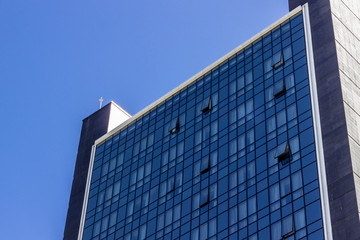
(317, 126)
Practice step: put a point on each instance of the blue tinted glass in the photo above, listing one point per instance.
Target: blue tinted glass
(179, 172)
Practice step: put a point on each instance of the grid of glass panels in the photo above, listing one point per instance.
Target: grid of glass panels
(182, 172)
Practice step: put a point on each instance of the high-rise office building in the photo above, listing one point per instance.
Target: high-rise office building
(262, 144)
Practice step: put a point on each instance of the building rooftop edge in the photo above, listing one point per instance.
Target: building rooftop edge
(110, 103)
(121, 109)
(197, 76)
(96, 111)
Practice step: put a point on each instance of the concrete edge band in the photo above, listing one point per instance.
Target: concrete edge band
(317, 126)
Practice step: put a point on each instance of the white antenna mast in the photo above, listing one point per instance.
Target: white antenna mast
(101, 100)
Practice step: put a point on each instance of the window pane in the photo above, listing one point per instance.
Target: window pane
(279, 88)
(240, 82)
(232, 87)
(268, 65)
(274, 193)
(296, 181)
(252, 205)
(195, 234)
(276, 231)
(213, 191)
(233, 215)
(104, 223)
(241, 141)
(233, 147)
(108, 193)
(169, 215)
(142, 234)
(242, 210)
(300, 219)
(233, 179)
(291, 112)
(96, 230)
(251, 170)
(113, 216)
(271, 124)
(204, 199)
(232, 117)
(206, 132)
(294, 144)
(130, 208)
(163, 189)
(214, 128)
(140, 173)
(287, 225)
(249, 106)
(205, 164)
(285, 186)
(196, 201)
(203, 231)
(212, 227)
(160, 222)
(289, 81)
(170, 184)
(198, 137)
(242, 175)
(287, 52)
(241, 111)
(177, 212)
(269, 94)
(250, 136)
(248, 77)
(281, 118)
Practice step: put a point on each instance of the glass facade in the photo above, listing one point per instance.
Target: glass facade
(230, 156)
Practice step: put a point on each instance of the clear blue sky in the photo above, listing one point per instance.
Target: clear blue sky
(58, 57)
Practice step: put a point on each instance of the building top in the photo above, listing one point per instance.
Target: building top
(256, 150)
(197, 76)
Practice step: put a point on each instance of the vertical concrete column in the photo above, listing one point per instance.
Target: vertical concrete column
(339, 161)
(93, 127)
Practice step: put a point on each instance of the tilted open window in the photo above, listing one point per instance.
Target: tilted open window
(279, 89)
(278, 60)
(174, 126)
(206, 106)
(171, 185)
(204, 197)
(283, 152)
(287, 227)
(205, 165)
